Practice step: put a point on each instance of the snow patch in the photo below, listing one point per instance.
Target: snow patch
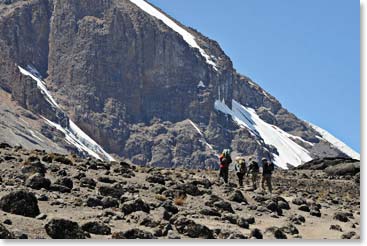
(201, 84)
(188, 37)
(289, 152)
(73, 135)
(201, 134)
(328, 137)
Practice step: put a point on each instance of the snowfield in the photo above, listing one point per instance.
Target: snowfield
(188, 37)
(73, 135)
(290, 153)
(325, 135)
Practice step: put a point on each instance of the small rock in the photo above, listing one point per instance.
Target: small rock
(41, 216)
(5, 233)
(7, 222)
(256, 233)
(336, 228)
(304, 208)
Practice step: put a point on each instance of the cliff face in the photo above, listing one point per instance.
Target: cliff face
(141, 85)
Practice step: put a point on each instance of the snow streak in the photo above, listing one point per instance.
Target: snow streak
(290, 153)
(73, 134)
(188, 37)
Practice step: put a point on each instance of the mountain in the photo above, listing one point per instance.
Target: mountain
(122, 79)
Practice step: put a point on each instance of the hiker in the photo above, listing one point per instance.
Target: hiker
(268, 168)
(253, 169)
(240, 169)
(225, 160)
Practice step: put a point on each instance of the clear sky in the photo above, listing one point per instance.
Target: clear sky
(305, 53)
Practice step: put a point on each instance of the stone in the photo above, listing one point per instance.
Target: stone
(21, 203)
(304, 208)
(336, 228)
(341, 216)
(95, 227)
(41, 216)
(94, 202)
(224, 206)
(64, 229)
(191, 229)
(210, 212)
(238, 197)
(67, 182)
(275, 233)
(133, 234)
(256, 233)
(88, 182)
(38, 181)
(133, 206)
(299, 201)
(5, 233)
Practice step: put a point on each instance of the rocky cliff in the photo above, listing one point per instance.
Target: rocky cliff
(143, 86)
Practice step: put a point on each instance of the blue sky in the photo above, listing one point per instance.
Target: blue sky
(305, 53)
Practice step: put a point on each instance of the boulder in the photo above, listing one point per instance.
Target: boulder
(67, 182)
(210, 212)
(299, 201)
(115, 191)
(304, 208)
(190, 189)
(97, 228)
(224, 206)
(21, 203)
(60, 188)
(94, 202)
(290, 229)
(133, 234)
(343, 169)
(88, 182)
(297, 219)
(256, 233)
(156, 179)
(38, 181)
(64, 229)
(237, 196)
(275, 233)
(133, 206)
(30, 168)
(192, 229)
(341, 216)
(110, 202)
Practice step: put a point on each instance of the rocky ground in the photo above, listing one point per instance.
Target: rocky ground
(46, 195)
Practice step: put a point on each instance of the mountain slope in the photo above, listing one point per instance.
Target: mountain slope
(142, 86)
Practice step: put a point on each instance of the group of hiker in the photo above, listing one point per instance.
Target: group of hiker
(244, 169)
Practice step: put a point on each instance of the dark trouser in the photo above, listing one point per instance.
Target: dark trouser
(254, 177)
(223, 173)
(266, 178)
(240, 179)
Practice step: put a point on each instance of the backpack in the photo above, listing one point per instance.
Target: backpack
(242, 166)
(227, 153)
